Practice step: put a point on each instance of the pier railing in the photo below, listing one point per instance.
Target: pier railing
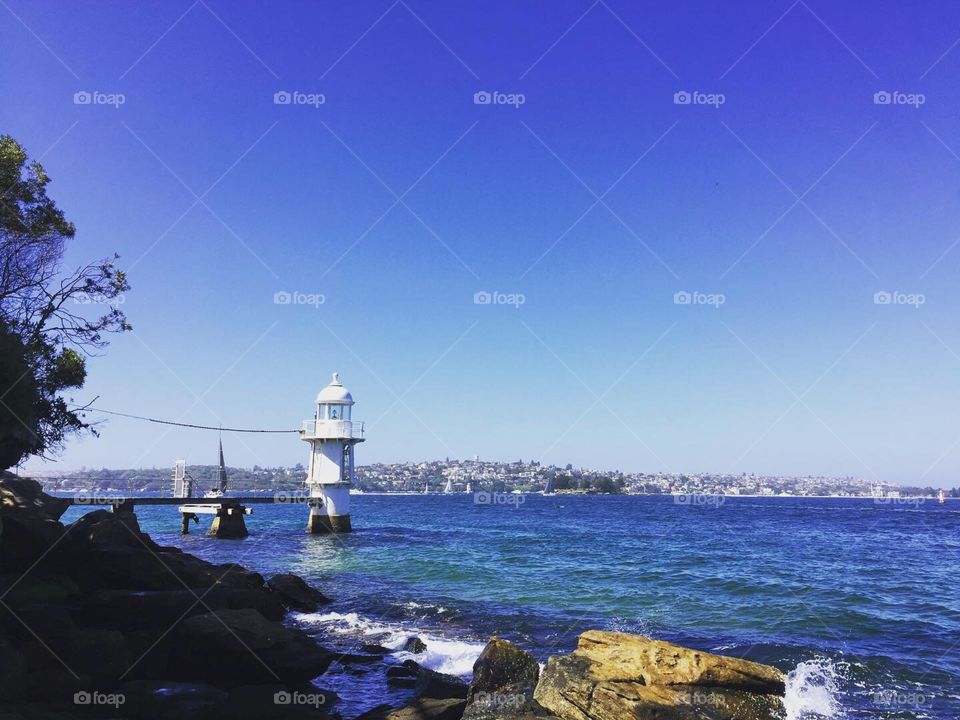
(332, 429)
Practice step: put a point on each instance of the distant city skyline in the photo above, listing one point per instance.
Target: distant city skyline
(695, 239)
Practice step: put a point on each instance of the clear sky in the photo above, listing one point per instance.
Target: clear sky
(783, 196)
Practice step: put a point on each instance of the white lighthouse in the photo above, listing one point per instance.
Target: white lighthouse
(332, 434)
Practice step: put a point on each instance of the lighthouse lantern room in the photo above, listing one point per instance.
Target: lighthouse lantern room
(332, 435)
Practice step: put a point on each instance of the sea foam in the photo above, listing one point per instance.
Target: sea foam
(447, 655)
(812, 691)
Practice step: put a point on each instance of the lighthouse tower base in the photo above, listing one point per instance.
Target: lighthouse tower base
(330, 509)
(322, 524)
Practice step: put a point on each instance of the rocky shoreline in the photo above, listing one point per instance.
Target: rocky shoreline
(97, 620)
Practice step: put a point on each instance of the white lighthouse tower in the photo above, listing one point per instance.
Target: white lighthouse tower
(332, 434)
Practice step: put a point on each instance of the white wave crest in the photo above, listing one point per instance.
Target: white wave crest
(813, 691)
(443, 654)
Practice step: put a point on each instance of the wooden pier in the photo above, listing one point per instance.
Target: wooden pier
(228, 512)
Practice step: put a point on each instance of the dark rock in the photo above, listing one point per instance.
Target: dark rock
(161, 609)
(13, 671)
(254, 702)
(376, 713)
(37, 588)
(295, 593)
(420, 709)
(357, 658)
(142, 568)
(375, 649)
(403, 670)
(166, 700)
(103, 527)
(503, 664)
(431, 684)
(102, 654)
(505, 703)
(405, 683)
(241, 647)
(504, 677)
(24, 495)
(414, 645)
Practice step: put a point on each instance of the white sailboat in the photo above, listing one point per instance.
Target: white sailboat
(548, 488)
(940, 497)
(448, 488)
(426, 488)
(469, 489)
(220, 489)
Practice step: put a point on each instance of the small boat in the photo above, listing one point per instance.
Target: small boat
(548, 488)
(426, 488)
(469, 489)
(448, 488)
(940, 497)
(220, 489)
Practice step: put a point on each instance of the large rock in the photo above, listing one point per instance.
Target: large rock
(159, 610)
(503, 664)
(420, 709)
(31, 521)
(295, 593)
(230, 648)
(617, 675)
(440, 686)
(504, 677)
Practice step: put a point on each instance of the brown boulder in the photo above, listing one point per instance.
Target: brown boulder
(616, 675)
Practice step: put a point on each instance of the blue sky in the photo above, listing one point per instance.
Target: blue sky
(783, 197)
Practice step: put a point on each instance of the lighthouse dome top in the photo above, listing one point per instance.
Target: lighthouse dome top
(335, 392)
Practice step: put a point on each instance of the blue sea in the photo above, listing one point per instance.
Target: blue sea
(857, 599)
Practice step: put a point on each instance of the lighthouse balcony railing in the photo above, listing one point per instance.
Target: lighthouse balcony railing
(332, 430)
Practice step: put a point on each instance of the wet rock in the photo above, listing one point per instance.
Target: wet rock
(230, 648)
(432, 684)
(504, 677)
(295, 593)
(166, 700)
(414, 645)
(503, 664)
(616, 675)
(255, 702)
(420, 709)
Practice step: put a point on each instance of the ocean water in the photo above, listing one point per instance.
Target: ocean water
(857, 600)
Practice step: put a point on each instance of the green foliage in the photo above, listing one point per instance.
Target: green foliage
(46, 328)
